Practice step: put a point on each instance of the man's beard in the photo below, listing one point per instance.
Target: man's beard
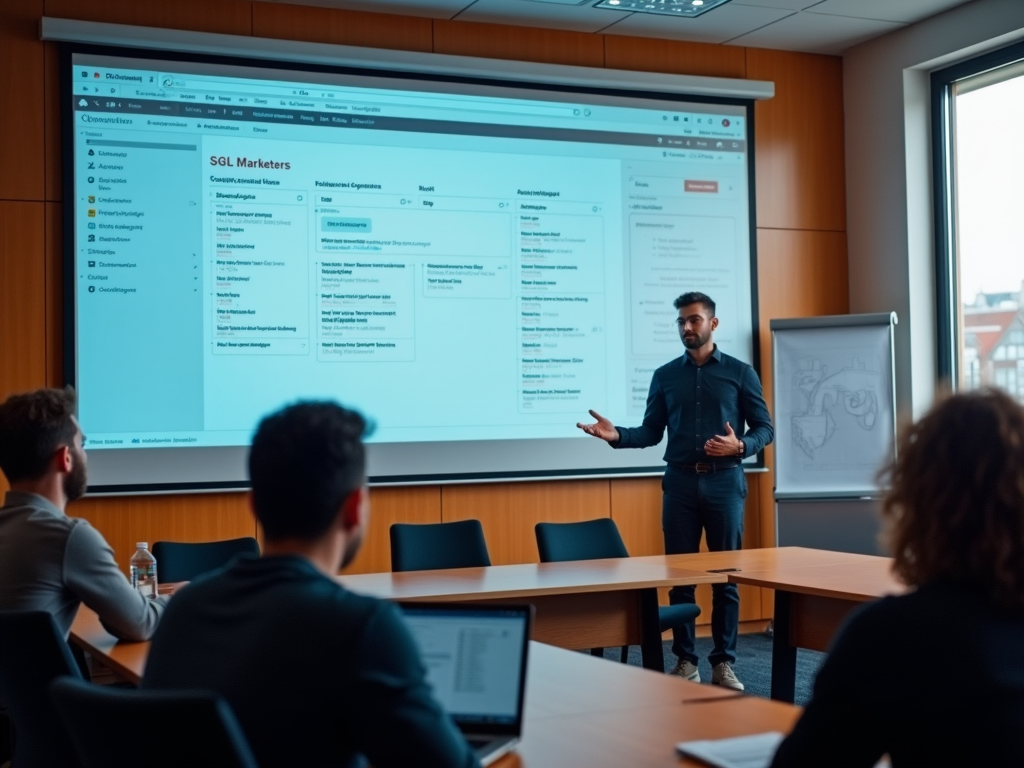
(76, 480)
(351, 549)
(696, 341)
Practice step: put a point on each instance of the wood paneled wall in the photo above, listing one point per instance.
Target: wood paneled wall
(801, 243)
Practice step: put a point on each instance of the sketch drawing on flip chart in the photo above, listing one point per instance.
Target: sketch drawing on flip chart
(854, 388)
(833, 408)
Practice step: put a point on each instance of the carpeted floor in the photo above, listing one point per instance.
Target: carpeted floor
(753, 664)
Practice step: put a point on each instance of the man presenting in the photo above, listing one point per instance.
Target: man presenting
(704, 398)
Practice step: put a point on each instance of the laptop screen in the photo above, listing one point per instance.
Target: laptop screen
(475, 659)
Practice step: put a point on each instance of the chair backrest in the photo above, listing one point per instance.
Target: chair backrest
(32, 654)
(438, 545)
(184, 561)
(125, 728)
(588, 540)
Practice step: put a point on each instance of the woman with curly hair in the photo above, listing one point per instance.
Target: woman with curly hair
(935, 677)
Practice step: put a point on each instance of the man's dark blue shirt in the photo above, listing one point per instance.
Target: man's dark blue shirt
(695, 402)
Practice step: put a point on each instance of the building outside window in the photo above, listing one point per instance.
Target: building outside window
(979, 108)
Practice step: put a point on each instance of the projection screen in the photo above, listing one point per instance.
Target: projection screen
(471, 265)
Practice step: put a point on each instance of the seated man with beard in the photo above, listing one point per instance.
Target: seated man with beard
(49, 561)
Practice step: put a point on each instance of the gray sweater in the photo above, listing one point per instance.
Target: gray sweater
(52, 562)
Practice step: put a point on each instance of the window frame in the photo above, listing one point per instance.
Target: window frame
(947, 290)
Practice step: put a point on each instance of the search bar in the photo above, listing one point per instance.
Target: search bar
(468, 105)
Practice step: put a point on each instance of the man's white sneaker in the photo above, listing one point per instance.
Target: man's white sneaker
(687, 671)
(722, 674)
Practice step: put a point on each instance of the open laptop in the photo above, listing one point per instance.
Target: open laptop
(476, 663)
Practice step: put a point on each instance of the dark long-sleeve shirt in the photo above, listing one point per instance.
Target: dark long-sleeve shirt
(52, 562)
(694, 403)
(316, 675)
(933, 678)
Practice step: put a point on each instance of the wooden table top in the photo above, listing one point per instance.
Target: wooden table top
(763, 559)
(495, 582)
(551, 669)
(529, 580)
(844, 576)
(561, 682)
(126, 658)
(859, 582)
(809, 571)
(596, 713)
(644, 737)
(580, 711)
(796, 569)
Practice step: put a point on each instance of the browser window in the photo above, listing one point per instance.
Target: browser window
(254, 239)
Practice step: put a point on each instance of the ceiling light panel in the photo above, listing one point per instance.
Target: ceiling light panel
(679, 8)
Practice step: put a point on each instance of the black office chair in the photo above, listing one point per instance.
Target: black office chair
(33, 654)
(438, 545)
(117, 728)
(184, 561)
(596, 540)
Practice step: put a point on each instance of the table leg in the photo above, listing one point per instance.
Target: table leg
(783, 651)
(650, 631)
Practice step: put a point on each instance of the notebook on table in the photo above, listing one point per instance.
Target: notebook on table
(475, 657)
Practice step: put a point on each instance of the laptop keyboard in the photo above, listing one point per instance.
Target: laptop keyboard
(478, 743)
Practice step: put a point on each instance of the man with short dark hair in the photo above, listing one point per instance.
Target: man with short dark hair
(697, 396)
(49, 561)
(317, 675)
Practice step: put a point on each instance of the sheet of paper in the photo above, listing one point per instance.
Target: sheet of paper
(754, 751)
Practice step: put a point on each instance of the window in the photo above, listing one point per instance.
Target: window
(978, 111)
(971, 368)
(1006, 378)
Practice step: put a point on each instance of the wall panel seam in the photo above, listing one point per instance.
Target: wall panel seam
(25, 199)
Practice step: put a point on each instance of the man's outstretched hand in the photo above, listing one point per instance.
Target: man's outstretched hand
(603, 429)
(724, 445)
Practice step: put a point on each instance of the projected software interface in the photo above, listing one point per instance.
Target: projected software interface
(456, 266)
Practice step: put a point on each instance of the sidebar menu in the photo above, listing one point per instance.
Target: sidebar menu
(139, 281)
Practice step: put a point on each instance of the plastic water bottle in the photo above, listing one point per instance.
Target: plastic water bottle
(142, 567)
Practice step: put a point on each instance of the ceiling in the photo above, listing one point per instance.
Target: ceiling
(813, 26)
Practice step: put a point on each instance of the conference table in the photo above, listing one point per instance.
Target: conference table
(579, 604)
(815, 591)
(613, 602)
(579, 710)
(597, 713)
(597, 603)
(812, 600)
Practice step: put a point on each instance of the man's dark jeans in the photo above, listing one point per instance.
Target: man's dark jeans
(711, 502)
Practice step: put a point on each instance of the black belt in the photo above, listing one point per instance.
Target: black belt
(705, 467)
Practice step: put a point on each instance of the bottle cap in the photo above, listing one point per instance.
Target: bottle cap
(142, 545)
